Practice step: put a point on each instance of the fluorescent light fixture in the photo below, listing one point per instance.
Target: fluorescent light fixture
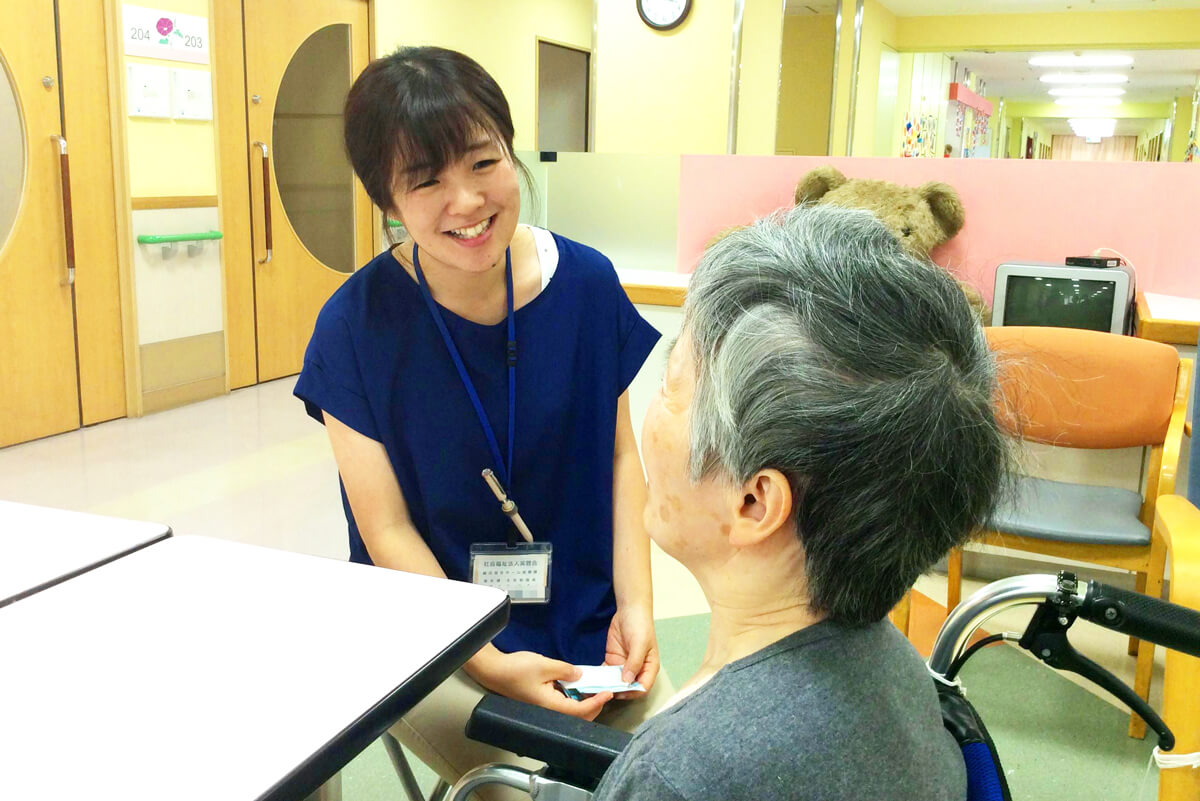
(1087, 91)
(1092, 128)
(1088, 101)
(1093, 123)
(1087, 60)
(1084, 77)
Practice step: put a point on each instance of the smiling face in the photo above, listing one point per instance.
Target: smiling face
(464, 216)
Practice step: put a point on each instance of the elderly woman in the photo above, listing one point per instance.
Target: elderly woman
(823, 434)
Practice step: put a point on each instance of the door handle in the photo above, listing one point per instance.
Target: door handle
(68, 219)
(266, 172)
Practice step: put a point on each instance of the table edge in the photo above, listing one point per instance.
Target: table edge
(310, 774)
(1158, 329)
(650, 295)
(45, 585)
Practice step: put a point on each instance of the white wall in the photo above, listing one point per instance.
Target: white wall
(178, 296)
(887, 113)
(625, 206)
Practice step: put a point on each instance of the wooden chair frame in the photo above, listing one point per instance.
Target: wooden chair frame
(1177, 523)
(1148, 562)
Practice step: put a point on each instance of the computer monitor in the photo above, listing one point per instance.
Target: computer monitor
(1037, 293)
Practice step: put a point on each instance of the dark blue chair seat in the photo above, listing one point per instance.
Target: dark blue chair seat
(1052, 510)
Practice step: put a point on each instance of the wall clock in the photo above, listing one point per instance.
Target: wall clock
(663, 15)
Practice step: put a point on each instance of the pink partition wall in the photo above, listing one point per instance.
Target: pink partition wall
(1016, 210)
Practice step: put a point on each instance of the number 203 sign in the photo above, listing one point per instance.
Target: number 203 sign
(153, 33)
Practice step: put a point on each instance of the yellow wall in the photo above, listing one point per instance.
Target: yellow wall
(1149, 132)
(1180, 127)
(1124, 29)
(167, 156)
(758, 93)
(879, 31)
(844, 69)
(1192, 131)
(501, 36)
(1031, 128)
(663, 92)
(805, 85)
(1016, 143)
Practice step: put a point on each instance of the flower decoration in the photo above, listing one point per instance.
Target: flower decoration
(164, 26)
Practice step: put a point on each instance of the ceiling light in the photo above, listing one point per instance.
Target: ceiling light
(1087, 91)
(1084, 77)
(1090, 60)
(1093, 127)
(1088, 101)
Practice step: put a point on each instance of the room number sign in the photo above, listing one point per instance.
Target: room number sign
(153, 33)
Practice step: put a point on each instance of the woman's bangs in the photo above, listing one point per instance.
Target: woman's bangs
(440, 131)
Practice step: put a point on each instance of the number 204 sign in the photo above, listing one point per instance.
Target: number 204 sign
(153, 33)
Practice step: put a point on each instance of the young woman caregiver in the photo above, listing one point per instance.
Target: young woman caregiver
(480, 344)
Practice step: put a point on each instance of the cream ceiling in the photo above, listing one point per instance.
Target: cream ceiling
(1156, 75)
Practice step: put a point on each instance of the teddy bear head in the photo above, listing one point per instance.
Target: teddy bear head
(921, 217)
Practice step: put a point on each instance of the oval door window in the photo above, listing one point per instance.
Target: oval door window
(12, 154)
(316, 182)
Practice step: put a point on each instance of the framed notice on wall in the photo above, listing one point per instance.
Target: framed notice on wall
(152, 33)
(149, 91)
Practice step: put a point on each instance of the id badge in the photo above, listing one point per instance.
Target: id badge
(523, 570)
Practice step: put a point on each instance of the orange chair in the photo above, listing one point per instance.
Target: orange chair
(1085, 389)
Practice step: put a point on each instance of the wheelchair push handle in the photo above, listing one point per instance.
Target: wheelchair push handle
(1166, 624)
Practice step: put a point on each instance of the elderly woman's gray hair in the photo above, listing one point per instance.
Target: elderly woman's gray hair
(826, 352)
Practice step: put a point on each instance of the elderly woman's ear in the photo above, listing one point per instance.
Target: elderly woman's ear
(765, 507)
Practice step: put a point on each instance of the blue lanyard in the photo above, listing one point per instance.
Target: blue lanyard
(511, 356)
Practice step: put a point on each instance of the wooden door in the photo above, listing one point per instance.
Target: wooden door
(301, 59)
(39, 392)
(86, 76)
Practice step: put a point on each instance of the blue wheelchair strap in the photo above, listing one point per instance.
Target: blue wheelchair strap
(983, 779)
(985, 775)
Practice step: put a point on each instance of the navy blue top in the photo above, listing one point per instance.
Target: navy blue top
(377, 363)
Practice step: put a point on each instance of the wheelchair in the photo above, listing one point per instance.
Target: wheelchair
(577, 753)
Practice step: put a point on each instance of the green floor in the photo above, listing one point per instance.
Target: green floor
(1055, 739)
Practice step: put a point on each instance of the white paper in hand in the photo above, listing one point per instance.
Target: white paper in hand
(601, 679)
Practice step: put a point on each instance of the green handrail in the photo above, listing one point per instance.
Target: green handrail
(166, 239)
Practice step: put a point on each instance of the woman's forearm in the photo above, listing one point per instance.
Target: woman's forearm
(406, 550)
(631, 545)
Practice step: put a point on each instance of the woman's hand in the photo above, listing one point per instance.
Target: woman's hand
(529, 677)
(632, 643)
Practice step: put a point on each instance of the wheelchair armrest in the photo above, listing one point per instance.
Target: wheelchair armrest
(576, 747)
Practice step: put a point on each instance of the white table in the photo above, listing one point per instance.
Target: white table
(40, 547)
(206, 669)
